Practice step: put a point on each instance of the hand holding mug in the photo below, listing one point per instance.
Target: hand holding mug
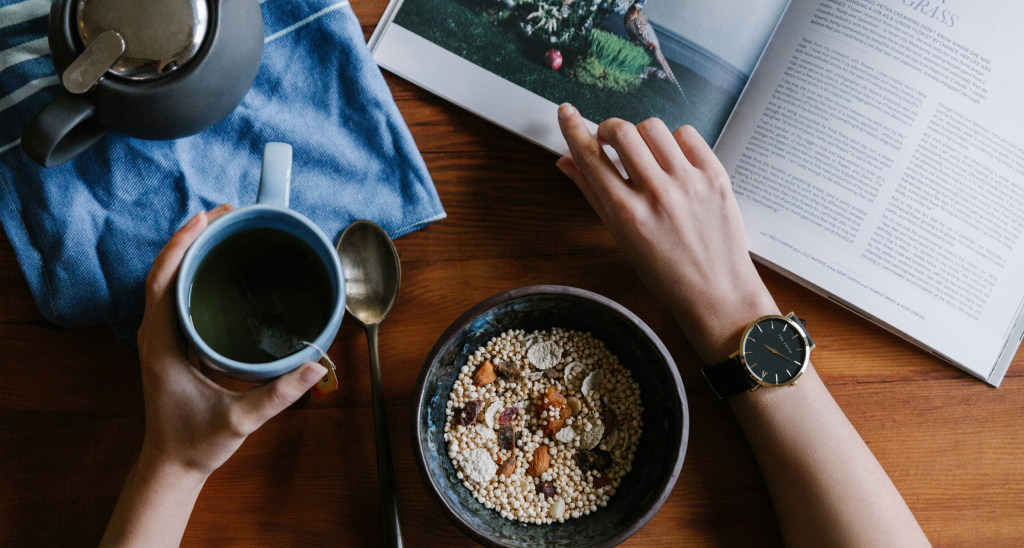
(191, 422)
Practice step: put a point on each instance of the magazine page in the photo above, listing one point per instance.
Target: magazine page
(514, 61)
(878, 154)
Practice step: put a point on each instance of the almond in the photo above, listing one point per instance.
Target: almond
(541, 461)
(485, 375)
(507, 467)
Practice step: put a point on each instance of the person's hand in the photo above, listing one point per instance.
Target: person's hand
(677, 221)
(192, 423)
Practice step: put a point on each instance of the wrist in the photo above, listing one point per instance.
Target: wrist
(718, 325)
(162, 471)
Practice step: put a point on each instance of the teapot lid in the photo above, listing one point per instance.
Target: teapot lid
(159, 35)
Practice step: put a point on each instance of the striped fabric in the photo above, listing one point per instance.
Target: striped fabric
(86, 232)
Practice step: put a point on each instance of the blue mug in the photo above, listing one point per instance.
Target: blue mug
(271, 211)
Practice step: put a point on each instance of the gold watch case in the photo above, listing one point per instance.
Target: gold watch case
(788, 318)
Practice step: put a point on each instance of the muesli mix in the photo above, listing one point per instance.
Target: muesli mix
(542, 427)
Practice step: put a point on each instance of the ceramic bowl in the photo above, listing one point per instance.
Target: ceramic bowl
(658, 458)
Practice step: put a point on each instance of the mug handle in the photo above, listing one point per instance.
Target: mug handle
(276, 179)
(62, 130)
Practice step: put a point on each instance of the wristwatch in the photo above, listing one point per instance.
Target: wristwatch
(774, 351)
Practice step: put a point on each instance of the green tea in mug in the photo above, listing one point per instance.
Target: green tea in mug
(259, 295)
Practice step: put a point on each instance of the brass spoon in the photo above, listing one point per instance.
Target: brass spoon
(372, 276)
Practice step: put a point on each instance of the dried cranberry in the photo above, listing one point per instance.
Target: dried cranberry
(546, 489)
(468, 414)
(604, 481)
(508, 415)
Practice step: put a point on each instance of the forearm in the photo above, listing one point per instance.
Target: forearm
(154, 506)
(826, 485)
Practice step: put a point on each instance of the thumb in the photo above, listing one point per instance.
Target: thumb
(263, 402)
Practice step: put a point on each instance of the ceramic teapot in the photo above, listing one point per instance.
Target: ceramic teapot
(150, 69)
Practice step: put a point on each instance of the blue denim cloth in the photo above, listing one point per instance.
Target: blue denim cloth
(86, 232)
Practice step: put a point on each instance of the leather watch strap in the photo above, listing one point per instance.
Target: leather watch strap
(803, 324)
(728, 378)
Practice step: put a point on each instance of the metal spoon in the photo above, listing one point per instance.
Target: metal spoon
(372, 276)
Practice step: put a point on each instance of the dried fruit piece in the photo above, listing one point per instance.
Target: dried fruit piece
(546, 489)
(508, 415)
(541, 461)
(485, 375)
(507, 467)
(604, 481)
(553, 427)
(602, 459)
(553, 399)
(574, 404)
(608, 418)
(468, 414)
(564, 412)
(593, 460)
(508, 371)
(552, 373)
(507, 437)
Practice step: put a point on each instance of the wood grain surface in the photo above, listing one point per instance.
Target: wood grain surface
(71, 415)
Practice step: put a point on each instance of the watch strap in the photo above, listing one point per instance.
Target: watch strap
(803, 324)
(728, 378)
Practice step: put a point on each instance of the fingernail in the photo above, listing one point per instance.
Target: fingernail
(312, 373)
(193, 221)
(565, 110)
(223, 207)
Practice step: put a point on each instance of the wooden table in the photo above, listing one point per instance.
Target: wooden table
(71, 415)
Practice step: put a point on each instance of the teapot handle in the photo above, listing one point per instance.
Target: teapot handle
(62, 130)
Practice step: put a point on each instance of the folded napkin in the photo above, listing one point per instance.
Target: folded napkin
(85, 233)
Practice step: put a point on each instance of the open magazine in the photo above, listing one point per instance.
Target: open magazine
(876, 147)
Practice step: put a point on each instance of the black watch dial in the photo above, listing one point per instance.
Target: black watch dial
(774, 351)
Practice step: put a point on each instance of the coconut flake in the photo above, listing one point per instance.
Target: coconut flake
(571, 370)
(486, 432)
(478, 466)
(489, 414)
(592, 381)
(590, 438)
(566, 434)
(544, 355)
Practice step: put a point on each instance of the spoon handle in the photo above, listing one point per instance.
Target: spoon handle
(385, 470)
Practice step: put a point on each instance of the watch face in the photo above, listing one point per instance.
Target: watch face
(774, 351)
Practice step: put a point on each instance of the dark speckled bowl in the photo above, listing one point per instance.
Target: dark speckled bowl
(659, 457)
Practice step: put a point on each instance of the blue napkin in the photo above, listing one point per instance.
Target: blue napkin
(85, 233)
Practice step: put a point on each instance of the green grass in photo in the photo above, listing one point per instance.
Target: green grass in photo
(464, 28)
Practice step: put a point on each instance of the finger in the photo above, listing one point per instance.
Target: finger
(595, 166)
(568, 166)
(663, 145)
(636, 156)
(696, 149)
(218, 211)
(160, 321)
(260, 404)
